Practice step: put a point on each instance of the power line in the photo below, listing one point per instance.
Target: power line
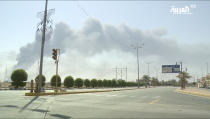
(121, 72)
(82, 9)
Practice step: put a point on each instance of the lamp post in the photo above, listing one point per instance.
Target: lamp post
(137, 54)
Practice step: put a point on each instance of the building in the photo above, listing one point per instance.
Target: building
(204, 82)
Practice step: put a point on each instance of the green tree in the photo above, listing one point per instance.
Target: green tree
(100, 83)
(154, 81)
(194, 84)
(114, 83)
(18, 78)
(69, 81)
(130, 84)
(43, 80)
(120, 83)
(172, 82)
(123, 83)
(53, 80)
(105, 83)
(94, 83)
(146, 80)
(78, 82)
(183, 76)
(87, 83)
(109, 82)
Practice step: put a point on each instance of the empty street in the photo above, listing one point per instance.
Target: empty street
(159, 102)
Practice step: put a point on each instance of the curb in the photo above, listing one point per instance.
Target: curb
(76, 92)
(195, 93)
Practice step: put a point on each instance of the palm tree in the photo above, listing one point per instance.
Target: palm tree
(183, 76)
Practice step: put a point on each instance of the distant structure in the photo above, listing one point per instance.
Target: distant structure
(122, 70)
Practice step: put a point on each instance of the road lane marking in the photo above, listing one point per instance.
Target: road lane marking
(154, 101)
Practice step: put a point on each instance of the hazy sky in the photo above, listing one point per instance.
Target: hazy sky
(96, 37)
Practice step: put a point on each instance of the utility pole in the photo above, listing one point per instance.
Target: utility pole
(116, 72)
(38, 67)
(207, 68)
(126, 73)
(148, 63)
(121, 73)
(137, 54)
(44, 21)
(5, 76)
(42, 49)
(182, 78)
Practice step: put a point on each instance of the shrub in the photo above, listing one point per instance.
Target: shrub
(105, 83)
(53, 81)
(94, 83)
(87, 83)
(19, 77)
(109, 83)
(69, 81)
(78, 82)
(43, 80)
(114, 83)
(100, 83)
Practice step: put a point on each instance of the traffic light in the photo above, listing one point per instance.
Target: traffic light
(54, 54)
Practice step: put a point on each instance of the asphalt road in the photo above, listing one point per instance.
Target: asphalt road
(162, 102)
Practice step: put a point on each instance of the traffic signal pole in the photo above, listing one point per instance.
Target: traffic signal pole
(42, 49)
(56, 58)
(56, 90)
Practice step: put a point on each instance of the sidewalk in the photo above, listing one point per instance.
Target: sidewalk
(195, 91)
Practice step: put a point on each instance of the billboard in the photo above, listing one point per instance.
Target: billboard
(170, 68)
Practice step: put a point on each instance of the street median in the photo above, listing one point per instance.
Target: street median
(75, 92)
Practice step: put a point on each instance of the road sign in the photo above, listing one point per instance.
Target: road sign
(170, 68)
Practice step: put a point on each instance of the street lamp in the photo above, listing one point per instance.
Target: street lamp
(137, 46)
(148, 63)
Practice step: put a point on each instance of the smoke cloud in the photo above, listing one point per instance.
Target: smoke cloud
(94, 38)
